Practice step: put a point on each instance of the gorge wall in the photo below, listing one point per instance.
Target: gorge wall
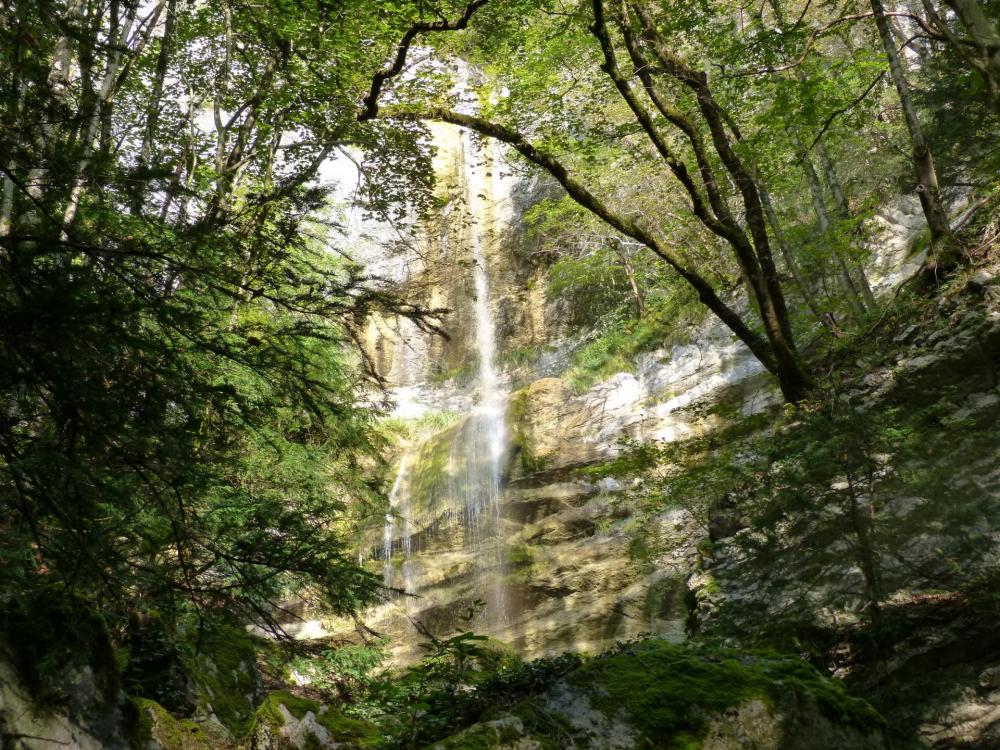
(523, 509)
(513, 511)
(554, 516)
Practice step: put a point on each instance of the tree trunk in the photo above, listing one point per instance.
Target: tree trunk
(844, 212)
(986, 37)
(637, 295)
(791, 375)
(155, 105)
(118, 42)
(857, 287)
(788, 255)
(861, 523)
(758, 261)
(823, 218)
(945, 252)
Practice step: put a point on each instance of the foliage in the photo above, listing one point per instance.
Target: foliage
(345, 730)
(613, 346)
(633, 459)
(156, 724)
(184, 422)
(461, 679)
(350, 670)
(838, 506)
(418, 427)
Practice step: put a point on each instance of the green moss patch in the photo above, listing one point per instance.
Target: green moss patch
(344, 731)
(224, 669)
(485, 736)
(670, 691)
(156, 723)
(522, 447)
(518, 555)
(429, 469)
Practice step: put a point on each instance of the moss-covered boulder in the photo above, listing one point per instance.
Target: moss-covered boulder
(655, 694)
(223, 666)
(206, 673)
(285, 721)
(159, 730)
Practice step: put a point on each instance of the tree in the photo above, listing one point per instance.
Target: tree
(944, 250)
(183, 419)
(979, 48)
(750, 246)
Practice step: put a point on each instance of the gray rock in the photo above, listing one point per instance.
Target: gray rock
(610, 485)
(990, 678)
(981, 281)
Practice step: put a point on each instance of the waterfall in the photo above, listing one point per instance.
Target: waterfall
(472, 470)
(484, 458)
(398, 506)
(482, 443)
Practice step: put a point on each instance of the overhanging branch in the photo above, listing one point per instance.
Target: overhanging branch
(581, 195)
(369, 108)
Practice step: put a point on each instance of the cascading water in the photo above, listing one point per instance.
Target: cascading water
(471, 471)
(484, 452)
(398, 506)
(480, 446)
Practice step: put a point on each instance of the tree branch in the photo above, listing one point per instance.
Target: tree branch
(369, 108)
(581, 195)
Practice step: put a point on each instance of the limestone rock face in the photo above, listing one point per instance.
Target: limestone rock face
(949, 513)
(481, 204)
(549, 426)
(569, 566)
(797, 726)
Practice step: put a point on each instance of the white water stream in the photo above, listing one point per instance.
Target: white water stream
(398, 506)
(478, 452)
(485, 449)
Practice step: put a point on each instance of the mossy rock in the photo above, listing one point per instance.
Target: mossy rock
(429, 472)
(654, 694)
(207, 674)
(223, 666)
(159, 729)
(507, 733)
(285, 721)
(672, 693)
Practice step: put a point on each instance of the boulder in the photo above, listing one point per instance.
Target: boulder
(289, 722)
(654, 694)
